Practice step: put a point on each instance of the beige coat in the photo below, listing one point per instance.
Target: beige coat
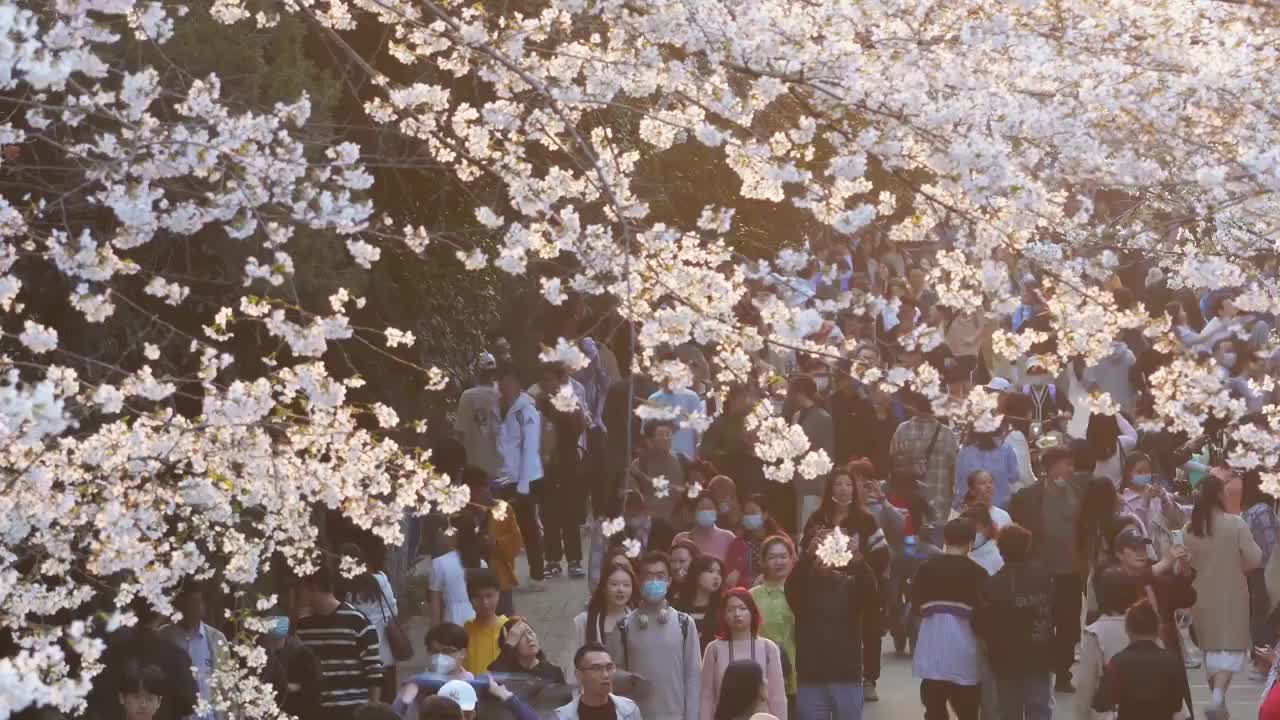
(1098, 643)
(1221, 612)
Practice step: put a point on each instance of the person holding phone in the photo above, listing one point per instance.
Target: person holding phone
(1222, 552)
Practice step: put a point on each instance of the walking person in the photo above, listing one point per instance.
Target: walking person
(661, 645)
(1104, 637)
(1167, 584)
(700, 596)
(370, 592)
(836, 612)
(744, 694)
(521, 653)
(595, 668)
(476, 421)
(778, 623)
(564, 441)
(615, 595)
(945, 591)
(986, 451)
(739, 639)
(1015, 621)
(924, 452)
(745, 560)
(519, 443)
(711, 539)
(343, 640)
(802, 394)
(1049, 510)
(206, 645)
(1143, 681)
(1260, 515)
(1222, 551)
(844, 506)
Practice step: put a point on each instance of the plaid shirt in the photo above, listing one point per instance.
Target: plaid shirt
(910, 441)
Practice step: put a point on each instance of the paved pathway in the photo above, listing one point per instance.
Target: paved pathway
(552, 612)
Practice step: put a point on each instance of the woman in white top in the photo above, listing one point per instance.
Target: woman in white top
(371, 594)
(614, 596)
(1110, 437)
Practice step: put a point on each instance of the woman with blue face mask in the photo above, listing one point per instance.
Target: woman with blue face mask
(710, 539)
(743, 562)
(1146, 497)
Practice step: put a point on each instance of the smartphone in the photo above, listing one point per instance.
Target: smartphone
(1177, 537)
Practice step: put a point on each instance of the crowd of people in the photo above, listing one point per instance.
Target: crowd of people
(1063, 552)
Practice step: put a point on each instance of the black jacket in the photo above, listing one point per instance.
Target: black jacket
(1172, 592)
(836, 612)
(1015, 618)
(1142, 682)
(1027, 507)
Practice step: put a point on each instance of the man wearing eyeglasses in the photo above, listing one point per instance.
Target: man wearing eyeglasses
(595, 670)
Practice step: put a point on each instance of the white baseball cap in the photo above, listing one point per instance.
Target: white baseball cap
(999, 384)
(461, 692)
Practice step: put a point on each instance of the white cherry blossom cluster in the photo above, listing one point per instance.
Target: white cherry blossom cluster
(1060, 135)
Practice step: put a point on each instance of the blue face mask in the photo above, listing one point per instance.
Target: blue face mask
(705, 518)
(653, 590)
(279, 628)
(1141, 480)
(752, 522)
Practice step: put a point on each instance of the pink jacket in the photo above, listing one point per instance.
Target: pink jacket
(717, 658)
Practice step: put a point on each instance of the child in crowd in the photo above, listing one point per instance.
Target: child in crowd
(1144, 680)
(483, 588)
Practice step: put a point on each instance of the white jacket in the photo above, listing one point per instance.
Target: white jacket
(519, 436)
(626, 709)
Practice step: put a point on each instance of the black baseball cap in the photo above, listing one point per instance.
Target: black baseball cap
(1130, 539)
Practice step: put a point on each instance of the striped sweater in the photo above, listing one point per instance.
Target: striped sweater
(346, 645)
(945, 592)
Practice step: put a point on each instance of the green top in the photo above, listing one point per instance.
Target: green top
(778, 625)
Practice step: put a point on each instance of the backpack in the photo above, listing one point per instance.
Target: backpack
(683, 619)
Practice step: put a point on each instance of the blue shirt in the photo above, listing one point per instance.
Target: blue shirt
(1000, 461)
(197, 646)
(685, 402)
(1021, 315)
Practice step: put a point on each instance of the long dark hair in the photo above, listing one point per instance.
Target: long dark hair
(1097, 518)
(688, 591)
(739, 690)
(1103, 434)
(1210, 498)
(852, 470)
(598, 605)
(362, 588)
